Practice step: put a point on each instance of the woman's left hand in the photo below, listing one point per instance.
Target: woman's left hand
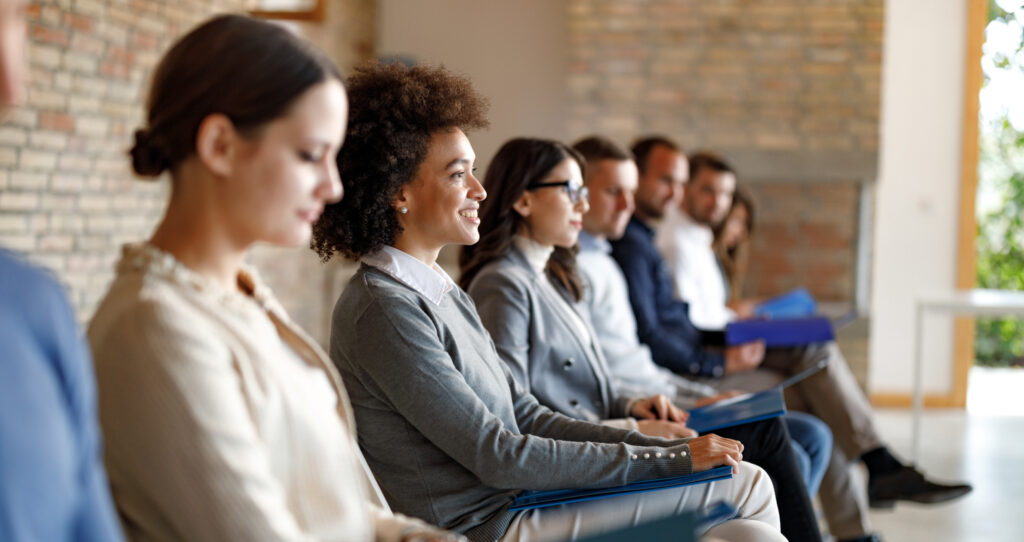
(658, 407)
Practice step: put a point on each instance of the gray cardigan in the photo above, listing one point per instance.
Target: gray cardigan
(447, 431)
(536, 338)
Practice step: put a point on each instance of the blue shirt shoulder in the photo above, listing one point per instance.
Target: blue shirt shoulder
(52, 482)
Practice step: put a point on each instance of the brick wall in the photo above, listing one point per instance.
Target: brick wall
(805, 236)
(788, 90)
(67, 197)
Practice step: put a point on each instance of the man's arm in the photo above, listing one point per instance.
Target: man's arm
(661, 321)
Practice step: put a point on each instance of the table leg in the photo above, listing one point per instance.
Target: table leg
(918, 404)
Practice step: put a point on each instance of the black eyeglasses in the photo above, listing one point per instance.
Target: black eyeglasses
(576, 192)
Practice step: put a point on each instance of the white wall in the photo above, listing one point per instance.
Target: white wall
(918, 190)
(513, 51)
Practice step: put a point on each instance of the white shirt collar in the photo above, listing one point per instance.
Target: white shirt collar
(693, 229)
(536, 254)
(432, 281)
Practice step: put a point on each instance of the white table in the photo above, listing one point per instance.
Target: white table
(961, 302)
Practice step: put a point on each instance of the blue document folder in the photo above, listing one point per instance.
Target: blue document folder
(777, 333)
(540, 499)
(797, 303)
(747, 408)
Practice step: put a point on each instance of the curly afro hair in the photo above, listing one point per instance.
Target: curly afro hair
(393, 112)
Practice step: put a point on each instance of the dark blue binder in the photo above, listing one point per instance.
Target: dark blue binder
(747, 408)
(777, 333)
(541, 499)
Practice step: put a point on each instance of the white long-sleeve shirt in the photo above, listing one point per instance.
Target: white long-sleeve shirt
(698, 280)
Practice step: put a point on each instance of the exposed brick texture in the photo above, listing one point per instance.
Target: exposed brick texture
(805, 236)
(788, 89)
(67, 196)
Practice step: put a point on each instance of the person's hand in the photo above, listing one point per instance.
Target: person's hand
(665, 429)
(658, 407)
(433, 535)
(744, 357)
(704, 401)
(744, 308)
(710, 451)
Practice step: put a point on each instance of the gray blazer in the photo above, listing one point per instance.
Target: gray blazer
(535, 336)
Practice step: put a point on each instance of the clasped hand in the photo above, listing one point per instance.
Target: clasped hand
(658, 417)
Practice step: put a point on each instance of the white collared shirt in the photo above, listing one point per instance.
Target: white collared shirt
(687, 249)
(431, 281)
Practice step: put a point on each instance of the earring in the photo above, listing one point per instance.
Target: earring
(403, 210)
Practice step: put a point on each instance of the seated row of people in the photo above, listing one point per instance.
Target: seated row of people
(657, 175)
(224, 421)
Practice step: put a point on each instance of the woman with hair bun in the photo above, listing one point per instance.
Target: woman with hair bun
(224, 420)
(449, 434)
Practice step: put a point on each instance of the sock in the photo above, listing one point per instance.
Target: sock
(879, 461)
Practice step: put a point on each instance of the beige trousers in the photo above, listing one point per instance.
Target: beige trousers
(834, 396)
(750, 491)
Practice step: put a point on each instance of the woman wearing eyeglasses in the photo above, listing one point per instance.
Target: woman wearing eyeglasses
(523, 277)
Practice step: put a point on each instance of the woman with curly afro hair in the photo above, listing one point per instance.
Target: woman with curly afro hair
(449, 434)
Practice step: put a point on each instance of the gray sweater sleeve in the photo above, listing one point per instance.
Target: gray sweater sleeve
(402, 356)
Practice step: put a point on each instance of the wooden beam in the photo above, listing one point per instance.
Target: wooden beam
(963, 328)
(905, 400)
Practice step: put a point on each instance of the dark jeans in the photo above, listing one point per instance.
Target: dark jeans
(812, 444)
(767, 445)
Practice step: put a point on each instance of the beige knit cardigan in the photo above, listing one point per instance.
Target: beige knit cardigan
(214, 430)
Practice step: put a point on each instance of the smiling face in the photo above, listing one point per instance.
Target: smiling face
(612, 185)
(549, 215)
(661, 183)
(442, 200)
(282, 178)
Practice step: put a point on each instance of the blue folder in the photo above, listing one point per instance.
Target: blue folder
(541, 499)
(747, 408)
(797, 303)
(778, 333)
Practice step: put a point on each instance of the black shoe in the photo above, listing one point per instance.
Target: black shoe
(907, 484)
(865, 538)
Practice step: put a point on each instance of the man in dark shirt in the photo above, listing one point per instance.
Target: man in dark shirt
(832, 394)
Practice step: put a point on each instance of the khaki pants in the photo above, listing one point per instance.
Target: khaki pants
(750, 491)
(833, 396)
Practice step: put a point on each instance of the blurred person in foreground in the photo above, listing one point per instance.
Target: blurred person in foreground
(52, 483)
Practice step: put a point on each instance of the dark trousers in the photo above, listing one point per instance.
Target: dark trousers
(767, 445)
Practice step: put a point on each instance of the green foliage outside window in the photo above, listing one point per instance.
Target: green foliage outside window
(1000, 242)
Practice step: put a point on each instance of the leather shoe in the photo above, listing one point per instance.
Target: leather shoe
(908, 484)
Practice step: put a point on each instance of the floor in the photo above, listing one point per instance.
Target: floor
(984, 446)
